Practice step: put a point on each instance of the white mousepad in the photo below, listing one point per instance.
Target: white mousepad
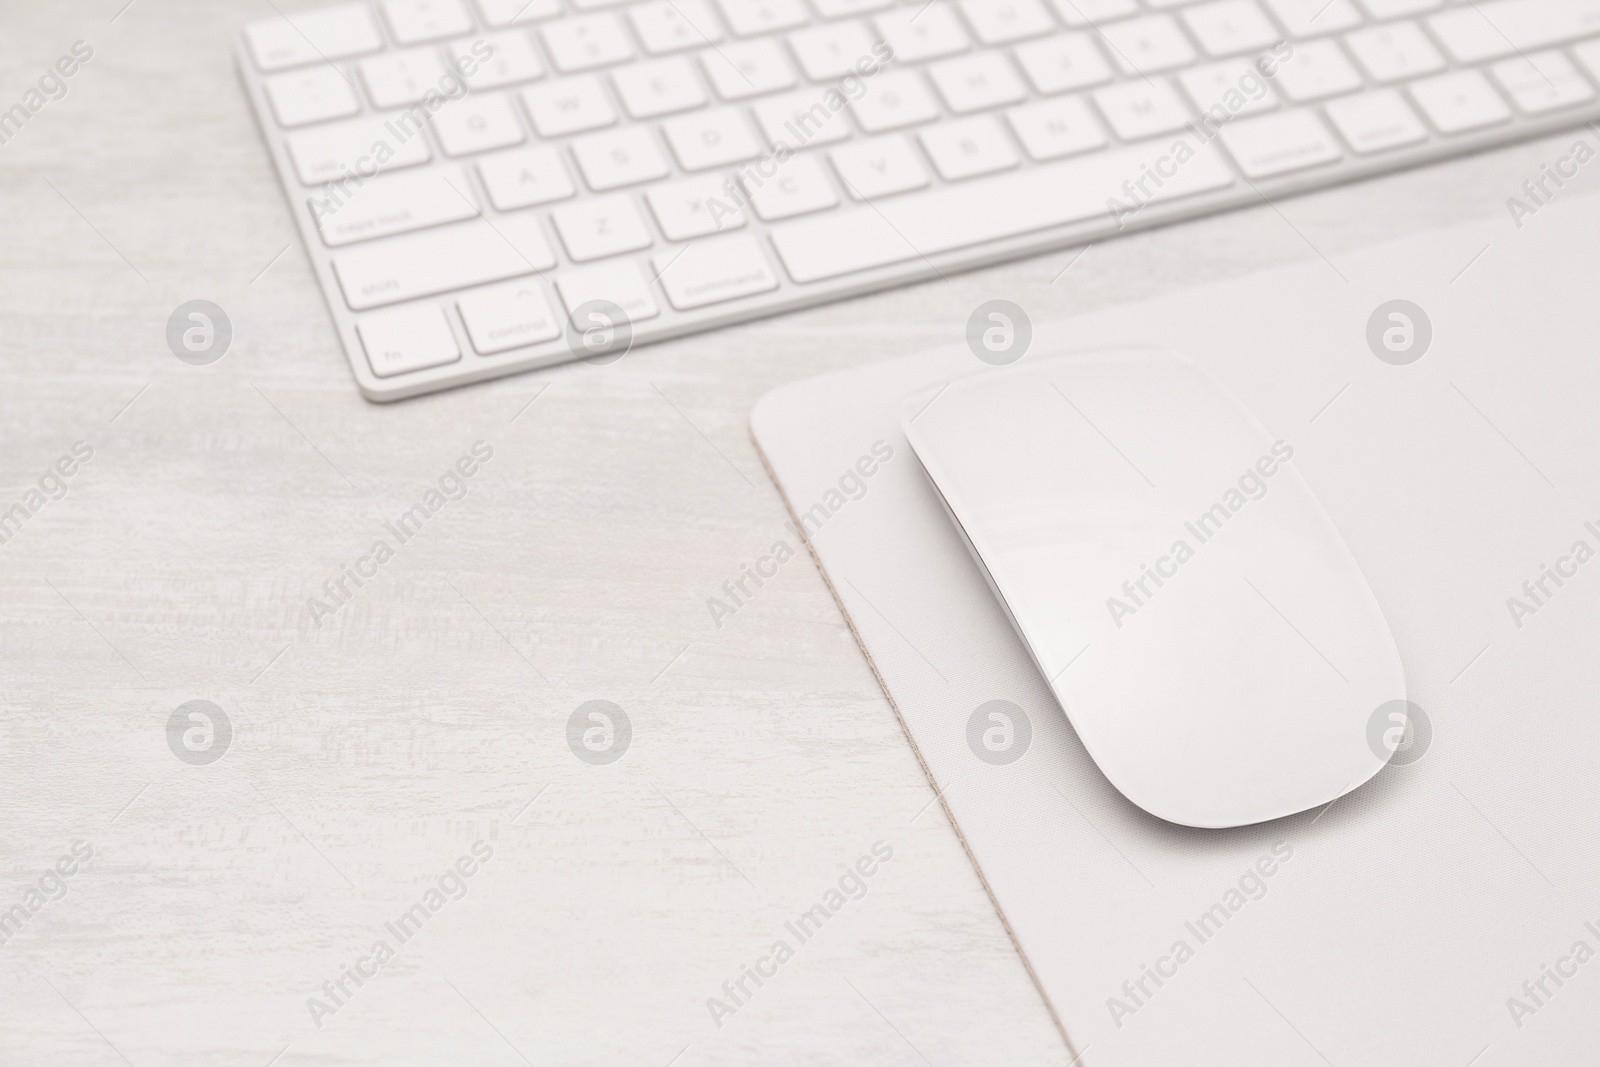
(1449, 910)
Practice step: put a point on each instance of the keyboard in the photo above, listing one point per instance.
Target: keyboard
(489, 186)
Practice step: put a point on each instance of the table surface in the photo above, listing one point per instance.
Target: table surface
(373, 747)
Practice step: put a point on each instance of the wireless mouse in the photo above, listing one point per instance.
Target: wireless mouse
(1197, 615)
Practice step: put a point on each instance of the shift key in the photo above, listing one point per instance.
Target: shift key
(442, 259)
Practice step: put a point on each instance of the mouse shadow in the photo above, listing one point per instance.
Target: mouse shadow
(1369, 804)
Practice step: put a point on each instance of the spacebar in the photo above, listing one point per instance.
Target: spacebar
(988, 209)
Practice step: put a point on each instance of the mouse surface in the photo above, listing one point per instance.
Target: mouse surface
(1196, 613)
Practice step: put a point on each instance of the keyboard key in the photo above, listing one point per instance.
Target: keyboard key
(1051, 129)
(315, 36)
(477, 123)
(1094, 12)
(838, 9)
(1236, 86)
(848, 8)
(878, 166)
(800, 119)
(1383, 10)
(673, 25)
(1277, 144)
(966, 148)
(1317, 70)
(831, 50)
(524, 178)
(1147, 45)
(1005, 205)
(658, 87)
(571, 105)
(617, 158)
(893, 100)
(1308, 18)
(747, 18)
(977, 82)
(401, 78)
(798, 188)
(928, 31)
(584, 42)
(512, 59)
(407, 339)
(710, 272)
(1140, 109)
(315, 94)
(619, 283)
(395, 203)
(712, 138)
(1395, 53)
(694, 207)
(1004, 21)
(1588, 54)
(415, 21)
(340, 149)
(504, 317)
(507, 12)
(1458, 102)
(1545, 81)
(1376, 121)
(600, 226)
(1229, 27)
(441, 259)
(1062, 63)
(1501, 28)
(748, 68)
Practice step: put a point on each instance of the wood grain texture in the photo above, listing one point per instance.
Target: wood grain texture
(374, 749)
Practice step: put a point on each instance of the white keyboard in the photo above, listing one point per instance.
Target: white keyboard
(495, 185)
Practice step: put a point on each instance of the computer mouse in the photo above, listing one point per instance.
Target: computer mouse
(1197, 615)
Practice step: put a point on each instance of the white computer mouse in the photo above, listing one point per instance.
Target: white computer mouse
(1198, 616)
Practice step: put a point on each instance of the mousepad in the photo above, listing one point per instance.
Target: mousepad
(1440, 394)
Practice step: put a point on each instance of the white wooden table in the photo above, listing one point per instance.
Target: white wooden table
(430, 712)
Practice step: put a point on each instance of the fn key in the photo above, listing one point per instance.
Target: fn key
(407, 339)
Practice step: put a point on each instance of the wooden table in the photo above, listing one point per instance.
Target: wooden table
(372, 747)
